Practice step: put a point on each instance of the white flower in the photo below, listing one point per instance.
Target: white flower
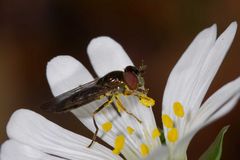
(33, 137)
(187, 85)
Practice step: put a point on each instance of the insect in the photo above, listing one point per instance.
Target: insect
(127, 82)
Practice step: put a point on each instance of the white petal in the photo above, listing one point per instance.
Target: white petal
(184, 75)
(13, 150)
(65, 73)
(161, 153)
(179, 151)
(195, 70)
(224, 109)
(107, 55)
(182, 78)
(34, 130)
(192, 75)
(219, 104)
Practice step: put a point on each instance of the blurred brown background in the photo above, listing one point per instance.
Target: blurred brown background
(32, 32)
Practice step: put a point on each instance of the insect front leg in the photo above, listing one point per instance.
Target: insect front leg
(94, 119)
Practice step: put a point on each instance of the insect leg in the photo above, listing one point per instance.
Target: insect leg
(125, 110)
(94, 119)
(144, 91)
(115, 108)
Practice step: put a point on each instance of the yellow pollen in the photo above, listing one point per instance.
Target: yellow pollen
(146, 101)
(119, 144)
(167, 121)
(178, 109)
(144, 150)
(107, 126)
(155, 133)
(130, 130)
(172, 135)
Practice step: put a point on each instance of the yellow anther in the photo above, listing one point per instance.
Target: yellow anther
(144, 150)
(167, 121)
(155, 133)
(107, 126)
(172, 135)
(130, 130)
(146, 101)
(178, 109)
(119, 144)
(116, 151)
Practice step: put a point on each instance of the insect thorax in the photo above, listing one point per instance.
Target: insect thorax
(112, 79)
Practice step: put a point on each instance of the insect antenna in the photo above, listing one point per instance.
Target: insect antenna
(142, 68)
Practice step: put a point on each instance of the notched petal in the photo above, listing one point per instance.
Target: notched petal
(65, 73)
(14, 150)
(32, 129)
(107, 55)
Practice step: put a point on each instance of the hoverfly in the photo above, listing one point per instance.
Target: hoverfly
(127, 82)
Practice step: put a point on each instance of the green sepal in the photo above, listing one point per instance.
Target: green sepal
(214, 151)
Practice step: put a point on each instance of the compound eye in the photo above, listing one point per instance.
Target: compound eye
(132, 69)
(131, 80)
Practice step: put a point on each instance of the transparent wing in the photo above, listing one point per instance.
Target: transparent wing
(76, 97)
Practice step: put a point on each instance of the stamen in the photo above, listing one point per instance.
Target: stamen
(130, 130)
(167, 121)
(155, 133)
(146, 101)
(119, 144)
(144, 150)
(107, 126)
(172, 135)
(178, 109)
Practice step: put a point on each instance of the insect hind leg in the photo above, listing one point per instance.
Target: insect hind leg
(94, 119)
(115, 108)
(120, 105)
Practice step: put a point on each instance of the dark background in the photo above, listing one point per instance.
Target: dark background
(32, 32)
